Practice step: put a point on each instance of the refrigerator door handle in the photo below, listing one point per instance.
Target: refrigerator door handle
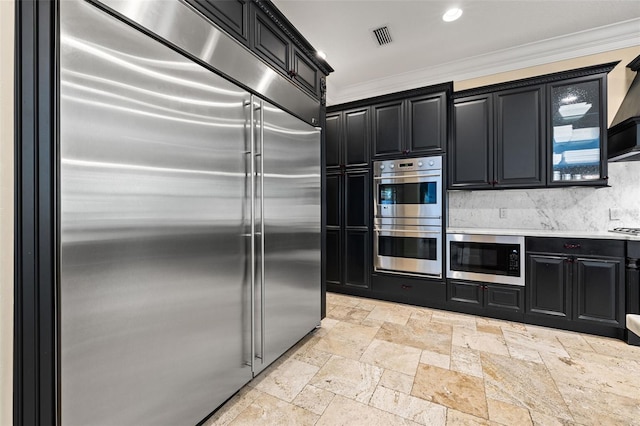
(262, 238)
(252, 140)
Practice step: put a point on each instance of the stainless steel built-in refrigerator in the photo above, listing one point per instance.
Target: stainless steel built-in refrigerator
(189, 228)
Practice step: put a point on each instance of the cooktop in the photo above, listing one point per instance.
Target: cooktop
(630, 231)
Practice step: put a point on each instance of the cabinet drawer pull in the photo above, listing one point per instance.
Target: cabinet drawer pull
(571, 246)
(406, 287)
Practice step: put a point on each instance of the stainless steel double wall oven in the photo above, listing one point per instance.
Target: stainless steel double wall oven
(408, 216)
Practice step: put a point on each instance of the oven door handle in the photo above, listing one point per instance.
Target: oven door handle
(406, 176)
(407, 231)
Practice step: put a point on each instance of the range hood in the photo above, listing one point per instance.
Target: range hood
(623, 137)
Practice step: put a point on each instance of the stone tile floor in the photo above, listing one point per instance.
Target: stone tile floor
(379, 363)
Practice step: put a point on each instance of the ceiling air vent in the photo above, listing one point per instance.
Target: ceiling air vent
(382, 35)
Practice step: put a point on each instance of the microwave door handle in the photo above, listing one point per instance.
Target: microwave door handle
(405, 176)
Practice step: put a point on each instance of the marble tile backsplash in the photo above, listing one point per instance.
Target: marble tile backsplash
(560, 209)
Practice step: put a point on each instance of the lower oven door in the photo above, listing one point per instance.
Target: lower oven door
(409, 250)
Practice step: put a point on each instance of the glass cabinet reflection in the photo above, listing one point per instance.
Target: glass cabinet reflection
(577, 129)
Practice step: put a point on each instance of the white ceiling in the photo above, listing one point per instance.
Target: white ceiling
(491, 36)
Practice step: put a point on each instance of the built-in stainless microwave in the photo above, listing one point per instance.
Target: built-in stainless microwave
(487, 258)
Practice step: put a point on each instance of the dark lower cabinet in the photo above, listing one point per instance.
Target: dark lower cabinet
(494, 300)
(411, 290)
(348, 238)
(581, 288)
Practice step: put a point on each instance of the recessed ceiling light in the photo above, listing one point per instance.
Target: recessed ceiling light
(321, 54)
(452, 14)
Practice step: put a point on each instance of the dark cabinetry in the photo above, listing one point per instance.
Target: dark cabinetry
(542, 131)
(576, 284)
(499, 140)
(411, 290)
(348, 186)
(495, 300)
(417, 125)
(261, 27)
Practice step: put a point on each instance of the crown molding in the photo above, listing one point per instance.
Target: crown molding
(589, 42)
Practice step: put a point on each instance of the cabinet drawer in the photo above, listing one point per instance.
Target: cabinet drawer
(576, 246)
(503, 297)
(415, 291)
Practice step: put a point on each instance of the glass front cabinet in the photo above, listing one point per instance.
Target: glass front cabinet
(577, 117)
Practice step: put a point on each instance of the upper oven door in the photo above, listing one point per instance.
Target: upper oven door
(408, 195)
(409, 250)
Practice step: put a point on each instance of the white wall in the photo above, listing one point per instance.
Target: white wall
(564, 209)
(6, 211)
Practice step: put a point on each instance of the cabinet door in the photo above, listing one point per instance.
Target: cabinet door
(427, 124)
(305, 73)
(388, 128)
(599, 291)
(504, 298)
(270, 42)
(357, 198)
(467, 293)
(357, 258)
(520, 137)
(471, 152)
(333, 140)
(357, 131)
(333, 187)
(334, 257)
(548, 286)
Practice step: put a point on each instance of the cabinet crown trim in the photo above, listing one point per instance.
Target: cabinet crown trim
(541, 79)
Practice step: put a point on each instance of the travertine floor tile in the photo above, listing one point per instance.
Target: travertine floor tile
(288, 379)
(436, 359)
(395, 313)
(522, 383)
(314, 399)
(396, 381)
(409, 407)
(347, 340)
(268, 410)
(233, 407)
(484, 342)
(466, 360)
(458, 418)
(400, 358)
(348, 313)
(420, 334)
(612, 347)
(353, 379)
(452, 389)
(508, 414)
(346, 412)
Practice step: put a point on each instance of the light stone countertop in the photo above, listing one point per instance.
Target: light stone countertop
(545, 233)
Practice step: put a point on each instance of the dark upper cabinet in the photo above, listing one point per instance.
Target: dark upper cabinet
(520, 137)
(231, 15)
(577, 131)
(578, 282)
(417, 125)
(471, 151)
(273, 45)
(304, 72)
(499, 140)
(543, 131)
(270, 42)
(388, 128)
(347, 139)
(427, 123)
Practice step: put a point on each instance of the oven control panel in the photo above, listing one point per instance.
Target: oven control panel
(407, 165)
